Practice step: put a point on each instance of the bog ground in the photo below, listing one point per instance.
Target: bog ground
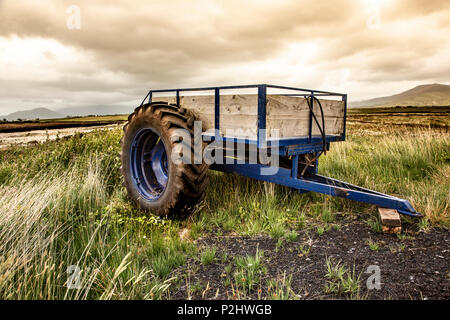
(62, 204)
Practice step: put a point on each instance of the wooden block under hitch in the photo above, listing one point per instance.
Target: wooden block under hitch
(390, 220)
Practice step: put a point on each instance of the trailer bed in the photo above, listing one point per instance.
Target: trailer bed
(286, 116)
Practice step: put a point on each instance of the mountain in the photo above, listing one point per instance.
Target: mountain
(424, 95)
(41, 113)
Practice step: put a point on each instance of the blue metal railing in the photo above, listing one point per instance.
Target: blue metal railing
(262, 112)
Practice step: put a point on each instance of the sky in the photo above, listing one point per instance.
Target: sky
(58, 54)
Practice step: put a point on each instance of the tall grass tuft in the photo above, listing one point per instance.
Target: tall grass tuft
(62, 206)
(413, 164)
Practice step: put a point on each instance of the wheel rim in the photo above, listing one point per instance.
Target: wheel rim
(149, 165)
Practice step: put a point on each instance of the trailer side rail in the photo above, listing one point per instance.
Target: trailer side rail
(262, 140)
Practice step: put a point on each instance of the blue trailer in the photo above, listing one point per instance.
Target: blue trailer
(159, 185)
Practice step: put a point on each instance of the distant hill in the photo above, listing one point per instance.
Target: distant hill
(41, 113)
(424, 95)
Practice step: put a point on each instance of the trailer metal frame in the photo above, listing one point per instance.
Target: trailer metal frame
(292, 147)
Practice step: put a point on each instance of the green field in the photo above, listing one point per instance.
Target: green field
(107, 119)
(69, 122)
(62, 203)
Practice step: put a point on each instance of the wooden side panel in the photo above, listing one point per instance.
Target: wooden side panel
(201, 106)
(239, 114)
(290, 115)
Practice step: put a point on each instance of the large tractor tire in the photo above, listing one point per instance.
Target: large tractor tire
(153, 180)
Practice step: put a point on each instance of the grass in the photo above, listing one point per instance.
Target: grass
(375, 224)
(63, 204)
(304, 249)
(340, 280)
(292, 236)
(320, 230)
(398, 166)
(280, 288)
(374, 246)
(277, 230)
(208, 256)
(249, 270)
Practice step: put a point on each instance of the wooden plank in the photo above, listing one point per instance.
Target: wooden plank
(299, 127)
(391, 230)
(295, 106)
(390, 220)
(389, 217)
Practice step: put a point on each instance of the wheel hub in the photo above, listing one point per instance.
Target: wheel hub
(149, 165)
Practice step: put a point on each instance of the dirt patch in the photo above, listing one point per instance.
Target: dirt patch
(38, 136)
(438, 120)
(414, 266)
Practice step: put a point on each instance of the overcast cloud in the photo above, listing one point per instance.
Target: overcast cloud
(365, 48)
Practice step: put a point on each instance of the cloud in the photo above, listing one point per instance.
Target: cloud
(124, 48)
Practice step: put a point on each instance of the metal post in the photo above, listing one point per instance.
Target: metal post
(344, 98)
(217, 110)
(295, 167)
(311, 116)
(262, 95)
